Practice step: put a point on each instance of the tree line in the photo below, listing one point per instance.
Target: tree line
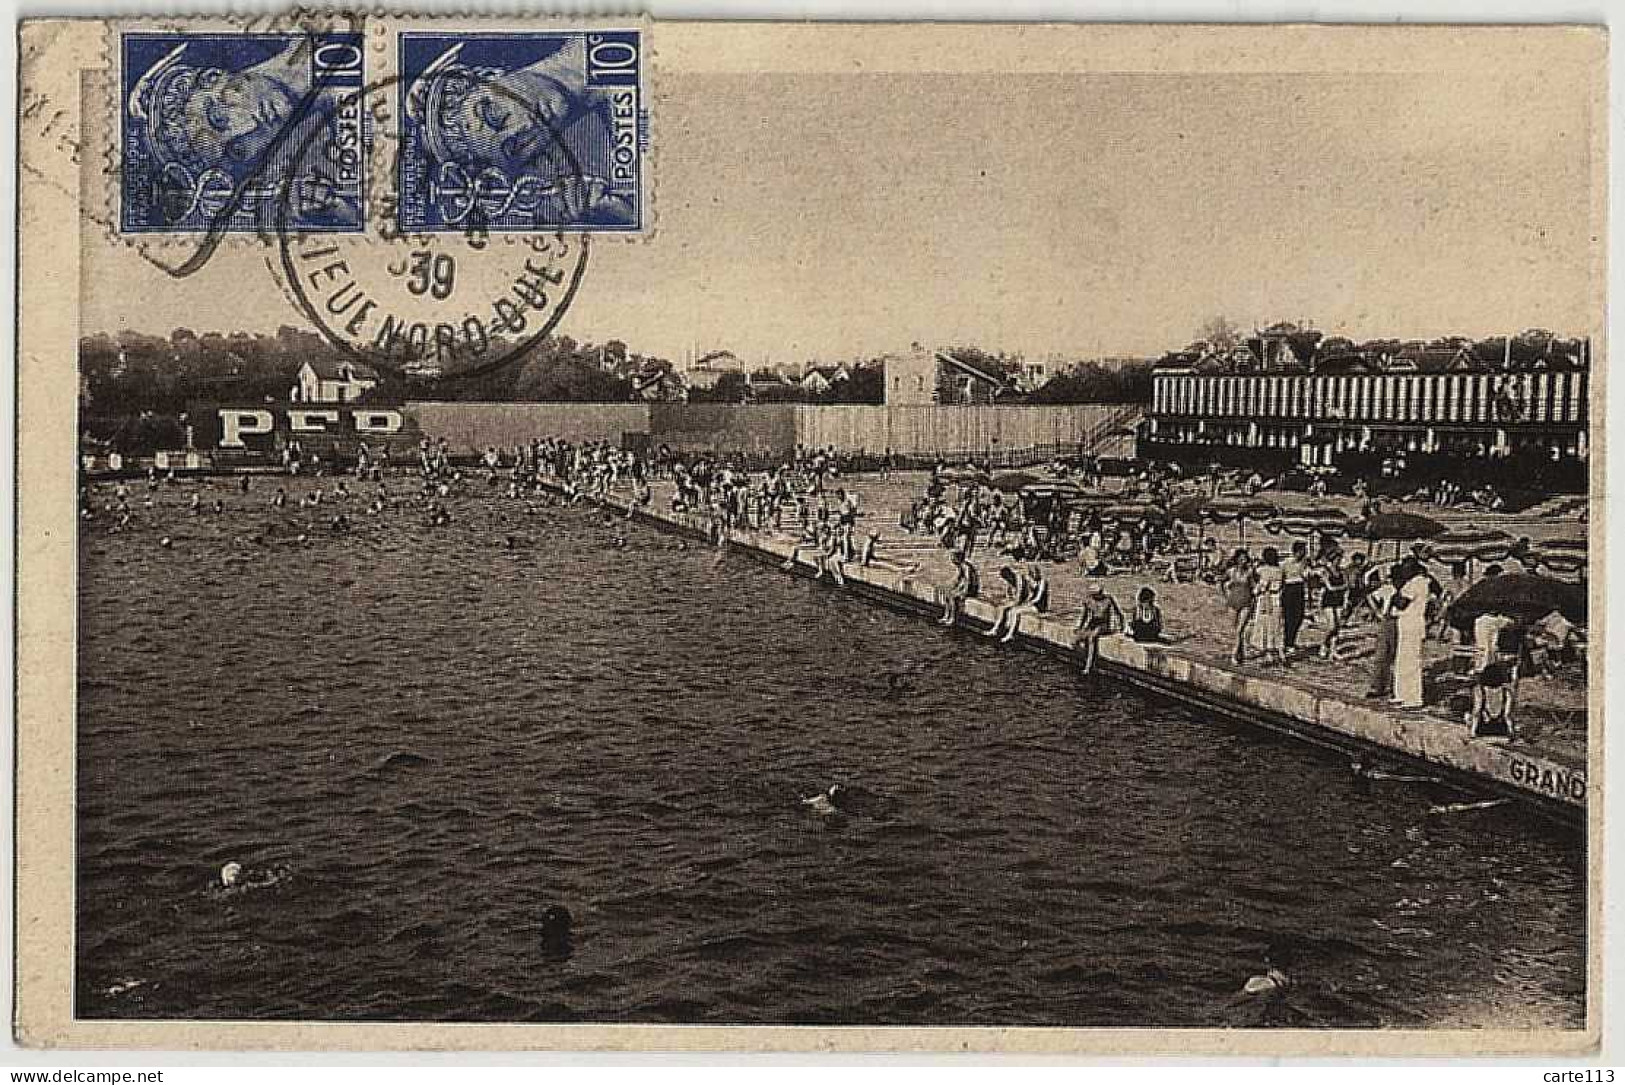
(1525, 349)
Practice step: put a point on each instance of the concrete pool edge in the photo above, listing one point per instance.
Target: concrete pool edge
(1554, 787)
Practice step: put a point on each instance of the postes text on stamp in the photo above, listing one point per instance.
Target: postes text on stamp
(530, 131)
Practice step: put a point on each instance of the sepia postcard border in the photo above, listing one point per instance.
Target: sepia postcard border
(52, 54)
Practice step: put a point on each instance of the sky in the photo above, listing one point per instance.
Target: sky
(825, 215)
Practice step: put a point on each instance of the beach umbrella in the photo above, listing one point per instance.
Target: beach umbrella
(1401, 526)
(1471, 546)
(1084, 502)
(1573, 544)
(1221, 510)
(1564, 555)
(1310, 522)
(1016, 481)
(1519, 596)
(1227, 509)
(1319, 512)
(1192, 510)
(1239, 510)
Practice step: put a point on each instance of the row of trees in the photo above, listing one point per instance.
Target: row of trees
(866, 384)
(1527, 348)
(1085, 382)
(136, 387)
(133, 373)
(1082, 382)
(1091, 382)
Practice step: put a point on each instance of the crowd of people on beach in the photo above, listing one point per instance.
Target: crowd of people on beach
(1271, 596)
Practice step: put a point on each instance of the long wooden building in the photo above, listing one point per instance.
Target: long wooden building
(1461, 411)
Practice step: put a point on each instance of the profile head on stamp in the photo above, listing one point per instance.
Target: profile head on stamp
(202, 116)
(210, 123)
(486, 117)
(517, 132)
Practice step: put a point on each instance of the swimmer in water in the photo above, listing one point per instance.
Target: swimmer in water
(1271, 982)
(824, 803)
(557, 930)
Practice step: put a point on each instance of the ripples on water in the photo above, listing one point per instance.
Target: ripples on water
(418, 739)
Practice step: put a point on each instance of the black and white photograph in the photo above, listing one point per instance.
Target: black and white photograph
(576, 522)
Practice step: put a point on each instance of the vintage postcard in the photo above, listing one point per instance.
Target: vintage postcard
(1023, 538)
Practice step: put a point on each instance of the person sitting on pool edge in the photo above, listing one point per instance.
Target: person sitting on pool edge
(828, 557)
(1017, 592)
(1034, 601)
(1101, 616)
(1145, 623)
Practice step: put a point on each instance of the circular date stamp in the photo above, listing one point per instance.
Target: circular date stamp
(444, 304)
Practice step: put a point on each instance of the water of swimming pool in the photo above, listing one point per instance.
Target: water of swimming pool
(417, 739)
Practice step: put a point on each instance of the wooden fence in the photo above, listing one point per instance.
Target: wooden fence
(998, 435)
(983, 432)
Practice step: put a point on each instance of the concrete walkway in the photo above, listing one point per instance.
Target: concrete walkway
(1319, 700)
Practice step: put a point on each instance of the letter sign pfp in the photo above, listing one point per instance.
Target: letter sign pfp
(378, 421)
(311, 421)
(236, 422)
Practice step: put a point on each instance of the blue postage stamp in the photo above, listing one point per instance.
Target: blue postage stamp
(214, 124)
(522, 131)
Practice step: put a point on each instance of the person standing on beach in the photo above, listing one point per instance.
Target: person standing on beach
(1236, 585)
(968, 520)
(1333, 600)
(966, 585)
(1380, 600)
(847, 519)
(1267, 584)
(1411, 604)
(1293, 594)
(1357, 572)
